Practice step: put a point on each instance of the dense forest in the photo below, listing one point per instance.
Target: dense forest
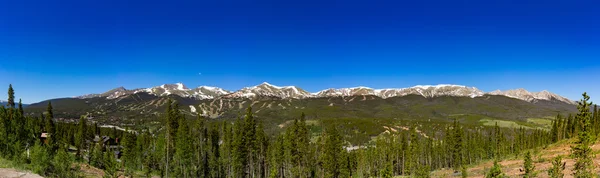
(204, 148)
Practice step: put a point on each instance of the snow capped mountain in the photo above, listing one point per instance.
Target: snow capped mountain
(206, 92)
(423, 90)
(110, 94)
(332, 92)
(266, 89)
(202, 92)
(525, 95)
(167, 89)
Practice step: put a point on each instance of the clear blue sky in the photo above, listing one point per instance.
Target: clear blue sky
(51, 49)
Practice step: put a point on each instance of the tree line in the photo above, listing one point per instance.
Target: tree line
(200, 147)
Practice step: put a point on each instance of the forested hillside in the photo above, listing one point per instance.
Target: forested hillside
(360, 117)
(203, 147)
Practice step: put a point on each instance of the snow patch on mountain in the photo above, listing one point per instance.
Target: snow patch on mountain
(525, 95)
(267, 89)
(423, 90)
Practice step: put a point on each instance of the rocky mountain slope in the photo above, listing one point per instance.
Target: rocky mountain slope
(275, 105)
(179, 89)
(268, 90)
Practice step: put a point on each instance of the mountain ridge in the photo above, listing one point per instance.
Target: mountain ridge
(284, 92)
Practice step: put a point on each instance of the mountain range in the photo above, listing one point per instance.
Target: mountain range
(275, 105)
(285, 92)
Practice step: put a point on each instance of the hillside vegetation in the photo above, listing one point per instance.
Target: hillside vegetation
(305, 146)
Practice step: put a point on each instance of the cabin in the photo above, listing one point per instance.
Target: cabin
(109, 144)
(44, 138)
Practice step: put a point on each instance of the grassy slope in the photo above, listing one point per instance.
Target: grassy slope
(542, 160)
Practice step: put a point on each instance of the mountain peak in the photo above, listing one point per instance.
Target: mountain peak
(523, 94)
(423, 90)
(267, 89)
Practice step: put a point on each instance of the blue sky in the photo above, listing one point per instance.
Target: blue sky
(51, 49)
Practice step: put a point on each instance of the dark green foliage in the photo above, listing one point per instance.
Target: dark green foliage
(322, 146)
(110, 164)
(40, 159)
(183, 152)
(139, 110)
(528, 165)
(62, 164)
(21, 111)
(582, 152)
(457, 148)
(556, 171)
(11, 97)
(334, 154)
(49, 111)
(495, 171)
(423, 172)
(387, 171)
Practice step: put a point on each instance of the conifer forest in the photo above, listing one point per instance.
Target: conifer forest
(241, 148)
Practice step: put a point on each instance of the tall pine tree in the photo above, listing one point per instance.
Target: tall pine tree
(11, 97)
(582, 152)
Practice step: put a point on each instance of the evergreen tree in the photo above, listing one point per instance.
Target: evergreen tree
(557, 168)
(262, 150)
(463, 172)
(110, 164)
(241, 151)
(62, 163)
(81, 136)
(495, 171)
(582, 152)
(52, 136)
(130, 153)
(183, 151)
(457, 148)
(40, 159)
(412, 152)
(49, 113)
(21, 112)
(528, 165)
(333, 155)
(423, 172)
(387, 171)
(11, 97)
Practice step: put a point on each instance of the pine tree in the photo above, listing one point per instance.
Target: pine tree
(129, 152)
(262, 150)
(412, 152)
(387, 171)
(243, 146)
(333, 153)
(457, 148)
(110, 164)
(528, 165)
(495, 171)
(80, 136)
(582, 152)
(250, 126)
(183, 151)
(423, 172)
(40, 159)
(557, 168)
(21, 108)
(49, 113)
(62, 163)
(11, 97)
(463, 172)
